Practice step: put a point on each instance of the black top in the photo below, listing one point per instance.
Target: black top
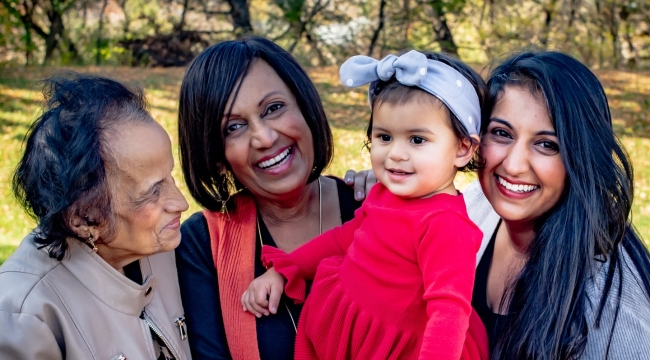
(491, 320)
(200, 291)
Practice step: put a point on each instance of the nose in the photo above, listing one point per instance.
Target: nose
(517, 160)
(177, 202)
(398, 151)
(263, 136)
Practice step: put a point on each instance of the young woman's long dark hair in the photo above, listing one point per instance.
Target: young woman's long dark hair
(548, 301)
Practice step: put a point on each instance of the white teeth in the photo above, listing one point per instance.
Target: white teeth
(517, 188)
(276, 160)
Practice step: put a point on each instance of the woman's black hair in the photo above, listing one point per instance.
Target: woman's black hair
(392, 92)
(547, 302)
(209, 82)
(62, 172)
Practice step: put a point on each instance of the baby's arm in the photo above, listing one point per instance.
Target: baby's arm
(295, 267)
(447, 259)
(270, 284)
(334, 242)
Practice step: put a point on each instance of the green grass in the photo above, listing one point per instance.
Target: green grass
(347, 110)
(5, 251)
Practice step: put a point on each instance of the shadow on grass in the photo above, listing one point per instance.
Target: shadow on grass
(26, 78)
(629, 99)
(5, 252)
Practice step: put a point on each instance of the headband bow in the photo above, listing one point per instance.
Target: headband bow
(414, 69)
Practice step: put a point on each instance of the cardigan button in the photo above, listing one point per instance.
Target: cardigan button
(148, 291)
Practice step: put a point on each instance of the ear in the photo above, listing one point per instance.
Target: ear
(81, 226)
(466, 150)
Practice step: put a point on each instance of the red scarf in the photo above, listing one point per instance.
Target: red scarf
(232, 236)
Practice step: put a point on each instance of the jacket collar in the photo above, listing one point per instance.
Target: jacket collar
(106, 283)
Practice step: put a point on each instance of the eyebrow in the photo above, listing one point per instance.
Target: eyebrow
(147, 191)
(507, 124)
(412, 130)
(274, 92)
(420, 130)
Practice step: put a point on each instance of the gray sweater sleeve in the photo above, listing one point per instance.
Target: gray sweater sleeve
(630, 335)
(481, 213)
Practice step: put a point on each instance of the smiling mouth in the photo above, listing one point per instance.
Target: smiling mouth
(518, 188)
(399, 172)
(279, 159)
(174, 224)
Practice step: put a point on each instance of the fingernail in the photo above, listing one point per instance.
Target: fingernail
(347, 180)
(259, 315)
(274, 309)
(359, 195)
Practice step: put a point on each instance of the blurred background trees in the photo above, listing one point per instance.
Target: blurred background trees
(602, 33)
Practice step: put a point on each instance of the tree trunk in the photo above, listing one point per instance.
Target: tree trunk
(127, 22)
(627, 35)
(407, 22)
(52, 39)
(99, 33)
(26, 20)
(302, 25)
(575, 4)
(181, 24)
(241, 19)
(613, 31)
(549, 11)
(441, 29)
(380, 26)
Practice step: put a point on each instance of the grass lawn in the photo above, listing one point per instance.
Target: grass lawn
(629, 95)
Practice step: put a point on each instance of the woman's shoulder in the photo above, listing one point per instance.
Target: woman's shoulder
(478, 207)
(347, 203)
(632, 293)
(480, 211)
(196, 222)
(625, 317)
(195, 237)
(22, 275)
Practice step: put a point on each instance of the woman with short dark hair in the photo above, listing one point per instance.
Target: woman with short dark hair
(254, 140)
(96, 279)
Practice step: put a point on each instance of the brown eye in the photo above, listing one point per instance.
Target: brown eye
(273, 108)
(233, 127)
(549, 145)
(500, 133)
(418, 140)
(384, 137)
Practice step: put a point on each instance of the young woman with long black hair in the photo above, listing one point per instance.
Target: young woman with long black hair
(563, 273)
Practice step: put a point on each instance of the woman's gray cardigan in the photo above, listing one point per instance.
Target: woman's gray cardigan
(630, 338)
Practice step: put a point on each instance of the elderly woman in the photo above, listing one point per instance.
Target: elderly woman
(254, 140)
(96, 279)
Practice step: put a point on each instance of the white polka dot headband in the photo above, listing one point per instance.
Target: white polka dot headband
(414, 69)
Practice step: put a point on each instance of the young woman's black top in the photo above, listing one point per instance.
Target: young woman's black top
(479, 296)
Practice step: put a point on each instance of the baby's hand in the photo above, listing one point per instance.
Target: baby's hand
(254, 299)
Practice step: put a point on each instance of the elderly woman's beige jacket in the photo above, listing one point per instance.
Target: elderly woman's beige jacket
(82, 308)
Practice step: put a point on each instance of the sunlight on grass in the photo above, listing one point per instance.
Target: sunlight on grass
(347, 110)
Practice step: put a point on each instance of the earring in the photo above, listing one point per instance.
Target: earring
(91, 242)
(224, 209)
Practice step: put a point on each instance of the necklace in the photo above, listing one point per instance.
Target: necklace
(320, 231)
